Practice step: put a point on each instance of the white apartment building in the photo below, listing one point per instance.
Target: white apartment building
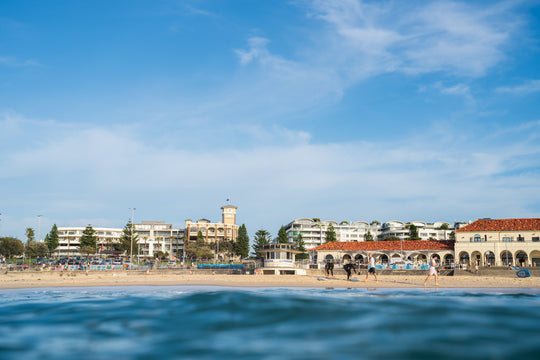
(154, 236)
(439, 230)
(69, 239)
(314, 231)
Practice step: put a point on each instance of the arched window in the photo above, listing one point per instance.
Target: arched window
(477, 238)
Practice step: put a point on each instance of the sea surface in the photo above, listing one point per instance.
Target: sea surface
(189, 322)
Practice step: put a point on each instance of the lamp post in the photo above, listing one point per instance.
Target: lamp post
(132, 227)
(39, 227)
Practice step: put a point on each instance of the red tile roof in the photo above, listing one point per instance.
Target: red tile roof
(408, 245)
(503, 225)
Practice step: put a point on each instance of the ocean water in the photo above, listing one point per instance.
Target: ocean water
(188, 322)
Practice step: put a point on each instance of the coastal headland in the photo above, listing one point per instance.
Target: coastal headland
(40, 279)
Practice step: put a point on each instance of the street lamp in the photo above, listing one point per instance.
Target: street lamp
(132, 227)
(39, 227)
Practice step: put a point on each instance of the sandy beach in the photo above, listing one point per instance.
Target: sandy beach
(17, 280)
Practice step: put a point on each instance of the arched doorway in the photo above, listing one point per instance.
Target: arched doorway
(384, 259)
(490, 258)
(522, 259)
(422, 258)
(535, 258)
(476, 258)
(329, 258)
(507, 258)
(396, 257)
(464, 258)
(448, 259)
(359, 259)
(346, 258)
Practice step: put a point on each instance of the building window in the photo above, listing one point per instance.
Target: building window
(506, 239)
(520, 238)
(477, 238)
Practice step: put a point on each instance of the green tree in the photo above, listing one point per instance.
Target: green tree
(242, 243)
(87, 250)
(452, 235)
(368, 236)
(301, 246)
(391, 238)
(52, 240)
(29, 235)
(226, 247)
(262, 237)
(413, 232)
(374, 222)
(330, 234)
(10, 246)
(198, 249)
(35, 249)
(282, 236)
(88, 238)
(444, 227)
(126, 240)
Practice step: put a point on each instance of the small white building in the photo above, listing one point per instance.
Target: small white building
(279, 259)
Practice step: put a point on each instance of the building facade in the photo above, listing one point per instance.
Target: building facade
(70, 238)
(314, 231)
(499, 242)
(215, 233)
(155, 236)
(439, 230)
(417, 252)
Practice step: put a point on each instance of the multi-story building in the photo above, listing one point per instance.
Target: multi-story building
(314, 231)
(215, 233)
(154, 236)
(499, 242)
(426, 231)
(69, 239)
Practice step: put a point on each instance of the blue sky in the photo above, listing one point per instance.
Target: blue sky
(342, 110)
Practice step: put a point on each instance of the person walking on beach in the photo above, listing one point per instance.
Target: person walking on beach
(348, 267)
(329, 267)
(371, 270)
(433, 271)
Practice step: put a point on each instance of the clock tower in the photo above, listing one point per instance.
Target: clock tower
(229, 214)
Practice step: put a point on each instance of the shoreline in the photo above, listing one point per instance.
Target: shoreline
(23, 280)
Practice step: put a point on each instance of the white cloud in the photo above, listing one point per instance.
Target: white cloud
(528, 87)
(257, 48)
(379, 37)
(15, 62)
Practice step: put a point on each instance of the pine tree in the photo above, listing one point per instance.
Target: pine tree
(282, 236)
(242, 243)
(330, 235)
(301, 246)
(262, 237)
(88, 238)
(52, 239)
(413, 232)
(125, 240)
(368, 236)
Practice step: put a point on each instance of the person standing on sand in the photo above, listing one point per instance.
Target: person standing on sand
(432, 271)
(371, 270)
(329, 267)
(348, 267)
